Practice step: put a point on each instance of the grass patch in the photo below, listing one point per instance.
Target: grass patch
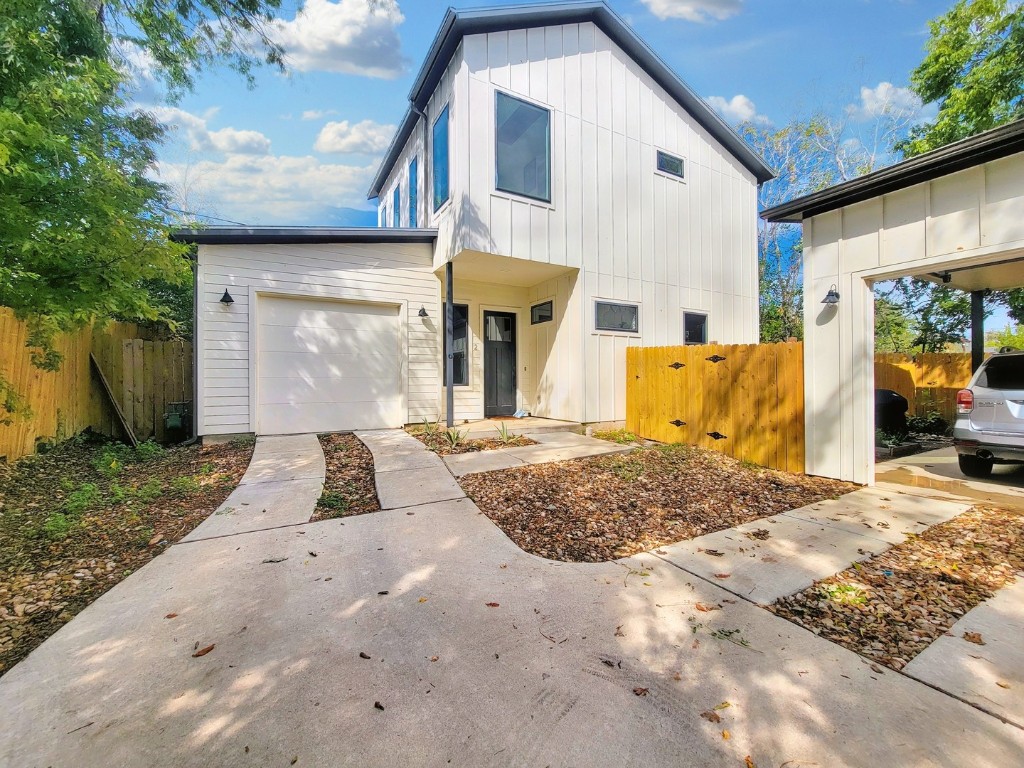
(620, 436)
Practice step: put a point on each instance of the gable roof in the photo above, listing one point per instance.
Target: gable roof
(459, 23)
(991, 145)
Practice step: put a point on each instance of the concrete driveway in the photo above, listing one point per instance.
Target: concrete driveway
(577, 664)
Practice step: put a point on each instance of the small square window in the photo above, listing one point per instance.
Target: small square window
(541, 313)
(609, 316)
(670, 164)
(695, 328)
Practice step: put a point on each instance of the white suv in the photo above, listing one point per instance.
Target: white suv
(990, 415)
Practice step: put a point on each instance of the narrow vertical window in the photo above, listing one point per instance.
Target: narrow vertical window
(414, 183)
(397, 206)
(523, 148)
(439, 156)
(460, 347)
(382, 216)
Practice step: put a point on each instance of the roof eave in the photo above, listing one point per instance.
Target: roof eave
(301, 235)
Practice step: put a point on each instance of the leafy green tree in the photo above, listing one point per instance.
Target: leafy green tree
(1011, 336)
(941, 314)
(82, 220)
(973, 70)
(894, 329)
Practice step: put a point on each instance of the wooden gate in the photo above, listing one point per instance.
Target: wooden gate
(744, 400)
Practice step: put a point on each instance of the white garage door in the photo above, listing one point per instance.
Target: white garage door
(324, 366)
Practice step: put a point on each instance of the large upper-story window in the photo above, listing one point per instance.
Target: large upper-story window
(414, 182)
(523, 148)
(397, 207)
(439, 156)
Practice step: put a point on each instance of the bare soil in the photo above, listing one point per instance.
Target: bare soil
(598, 509)
(79, 519)
(893, 606)
(349, 488)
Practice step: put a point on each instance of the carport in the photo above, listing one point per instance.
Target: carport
(954, 215)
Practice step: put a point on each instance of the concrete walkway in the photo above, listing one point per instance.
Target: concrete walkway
(407, 474)
(553, 446)
(281, 486)
(422, 636)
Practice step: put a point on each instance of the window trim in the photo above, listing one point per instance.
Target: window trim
(414, 173)
(550, 147)
(469, 346)
(437, 206)
(668, 174)
(707, 327)
(551, 309)
(616, 331)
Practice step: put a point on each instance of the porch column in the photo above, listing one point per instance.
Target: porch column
(977, 329)
(449, 342)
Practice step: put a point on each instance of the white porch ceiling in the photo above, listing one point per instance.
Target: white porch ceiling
(505, 270)
(1001, 273)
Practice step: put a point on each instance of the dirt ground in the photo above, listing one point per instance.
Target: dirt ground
(349, 487)
(592, 510)
(79, 519)
(893, 606)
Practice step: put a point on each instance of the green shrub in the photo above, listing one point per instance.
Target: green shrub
(57, 526)
(333, 501)
(930, 424)
(148, 451)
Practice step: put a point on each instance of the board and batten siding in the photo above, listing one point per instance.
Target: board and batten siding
(398, 274)
(956, 221)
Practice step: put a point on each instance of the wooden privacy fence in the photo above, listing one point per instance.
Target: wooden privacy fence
(929, 381)
(744, 400)
(145, 376)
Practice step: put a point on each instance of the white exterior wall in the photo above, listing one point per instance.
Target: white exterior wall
(963, 219)
(398, 274)
(636, 235)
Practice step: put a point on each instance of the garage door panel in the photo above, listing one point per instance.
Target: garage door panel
(326, 366)
(293, 365)
(279, 338)
(290, 418)
(321, 390)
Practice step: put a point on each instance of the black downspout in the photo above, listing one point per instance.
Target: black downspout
(977, 329)
(449, 342)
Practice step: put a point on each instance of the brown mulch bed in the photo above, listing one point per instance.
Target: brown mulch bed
(79, 519)
(349, 488)
(440, 445)
(593, 510)
(893, 606)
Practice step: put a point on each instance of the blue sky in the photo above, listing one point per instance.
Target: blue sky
(301, 148)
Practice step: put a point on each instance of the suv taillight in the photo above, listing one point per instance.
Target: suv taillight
(964, 401)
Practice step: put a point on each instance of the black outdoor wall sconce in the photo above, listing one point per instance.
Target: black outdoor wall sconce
(226, 299)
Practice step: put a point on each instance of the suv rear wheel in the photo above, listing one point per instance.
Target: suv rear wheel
(975, 466)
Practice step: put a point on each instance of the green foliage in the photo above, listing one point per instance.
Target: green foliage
(110, 462)
(333, 501)
(939, 315)
(894, 328)
(148, 451)
(56, 526)
(185, 485)
(454, 437)
(621, 436)
(245, 441)
(151, 489)
(431, 427)
(82, 220)
(973, 69)
(118, 493)
(930, 424)
(12, 403)
(1011, 336)
(82, 499)
(503, 434)
(844, 594)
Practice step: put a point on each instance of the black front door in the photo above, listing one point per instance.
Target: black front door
(499, 363)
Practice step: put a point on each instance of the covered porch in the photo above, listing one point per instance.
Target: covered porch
(509, 343)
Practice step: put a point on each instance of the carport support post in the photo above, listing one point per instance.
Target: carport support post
(449, 342)
(977, 329)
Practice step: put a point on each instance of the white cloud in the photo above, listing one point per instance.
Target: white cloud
(694, 10)
(201, 139)
(273, 189)
(366, 137)
(316, 114)
(351, 36)
(738, 109)
(885, 99)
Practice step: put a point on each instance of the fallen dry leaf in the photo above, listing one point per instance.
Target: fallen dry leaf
(492, 605)
(974, 637)
(349, 480)
(1002, 684)
(677, 677)
(723, 705)
(722, 575)
(363, 655)
(204, 651)
(726, 735)
(707, 608)
(171, 616)
(748, 763)
(714, 552)
(641, 691)
(434, 658)
(619, 632)
(378, 705)
(422, 600)
(711, 717)
(155, 540)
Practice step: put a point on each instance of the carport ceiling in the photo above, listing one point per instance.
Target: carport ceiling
(1002, 274)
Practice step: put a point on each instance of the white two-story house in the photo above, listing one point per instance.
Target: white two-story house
(580, 197)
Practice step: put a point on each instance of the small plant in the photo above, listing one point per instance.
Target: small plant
(148, 451)
(627, 468)
(431, 428)
(56, 527)
(109, 463)
(844, 594)
(333, 501)
(206, 469)
(504, 435)
(80, 500)
(118, 493)
(621, 436)
(930, 424)
(454, 437)
(151, 489)
(888, 439)
(184, 485)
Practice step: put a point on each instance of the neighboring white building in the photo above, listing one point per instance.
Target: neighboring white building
(586, 199)
(952, 216)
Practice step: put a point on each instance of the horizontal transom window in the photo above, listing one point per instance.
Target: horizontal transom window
(670, 164)
(541, 313)
(612, 316)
